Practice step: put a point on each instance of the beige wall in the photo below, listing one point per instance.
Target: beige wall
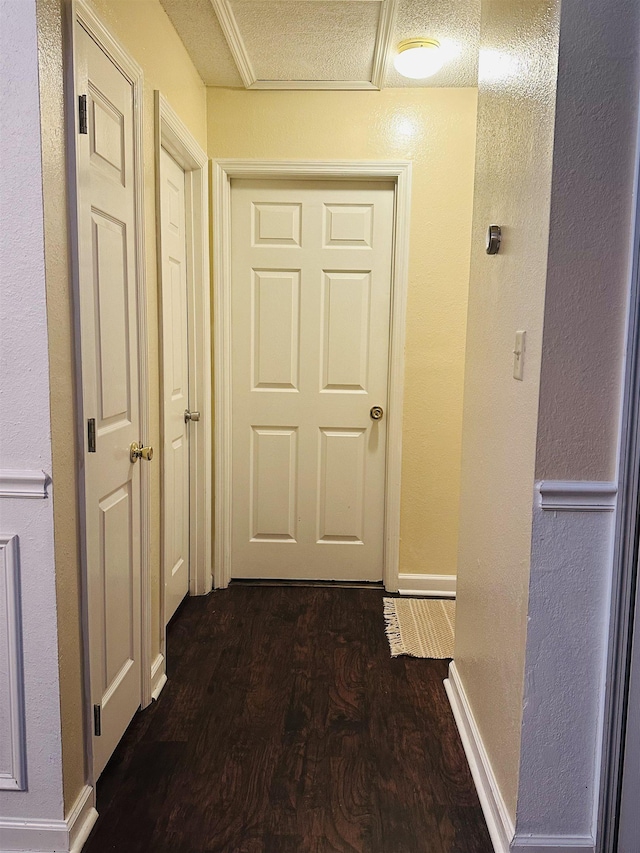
(516, 102)
(580, 371)
(435, 128)
(145, 31)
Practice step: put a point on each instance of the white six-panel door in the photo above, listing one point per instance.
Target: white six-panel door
(110, 391)
(175, 373)
(311, 292)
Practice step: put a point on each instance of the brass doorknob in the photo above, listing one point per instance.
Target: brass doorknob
(376, 413)
(137, 451)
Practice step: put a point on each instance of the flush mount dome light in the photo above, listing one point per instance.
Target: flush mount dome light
(418, 58)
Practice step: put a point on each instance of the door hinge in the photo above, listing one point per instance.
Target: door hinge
(91, 435)
(97, 720)
(82, 114)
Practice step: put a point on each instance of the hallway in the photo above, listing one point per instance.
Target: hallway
(286, 727)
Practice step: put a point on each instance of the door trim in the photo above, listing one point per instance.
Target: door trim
(398, 172)
(172, 135)
(87, 19)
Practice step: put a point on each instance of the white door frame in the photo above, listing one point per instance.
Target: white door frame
(398, 172)
(172, 135)
(87, 19)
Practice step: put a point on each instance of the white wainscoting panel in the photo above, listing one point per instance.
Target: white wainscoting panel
(437, 586)
(12, 723)
(567, 637)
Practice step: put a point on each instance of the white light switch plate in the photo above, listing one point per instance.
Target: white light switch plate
(518, 355)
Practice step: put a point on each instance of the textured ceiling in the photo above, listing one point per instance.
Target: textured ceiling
(314, 40)
(318, 40)
(198, 27)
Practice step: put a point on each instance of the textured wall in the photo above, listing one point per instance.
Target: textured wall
(564, 675)
(587, 285)
(590, 249)
(60, 325)
(435, 128)
(517, 76)
(24, 410)
(145, 31)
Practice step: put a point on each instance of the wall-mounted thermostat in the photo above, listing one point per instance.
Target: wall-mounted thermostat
(494, 238)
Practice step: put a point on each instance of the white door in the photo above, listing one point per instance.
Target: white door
(311, 291)
(175, 383)
(110, 391)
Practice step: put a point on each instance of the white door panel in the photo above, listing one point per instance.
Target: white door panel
(110, 382)
(175, 372)
(311, 291)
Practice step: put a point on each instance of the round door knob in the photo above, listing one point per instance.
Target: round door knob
(137, 451)
(376, 413)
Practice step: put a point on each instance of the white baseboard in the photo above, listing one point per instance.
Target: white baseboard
(439, 586)
(51, 836)
(81, 819)
(42, 836)
(553, 844)
(499, 821)
(158, 676)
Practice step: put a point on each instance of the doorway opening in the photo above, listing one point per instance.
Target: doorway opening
(238, 295)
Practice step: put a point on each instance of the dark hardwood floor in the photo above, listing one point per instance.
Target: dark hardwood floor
(286, 727)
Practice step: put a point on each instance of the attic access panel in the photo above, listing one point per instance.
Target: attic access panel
(331, 44)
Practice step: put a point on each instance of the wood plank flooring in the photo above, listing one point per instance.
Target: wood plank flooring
(286, 727)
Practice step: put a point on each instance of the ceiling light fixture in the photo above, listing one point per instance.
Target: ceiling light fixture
(418, 58)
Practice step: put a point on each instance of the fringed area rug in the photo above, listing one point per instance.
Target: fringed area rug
(420, 627)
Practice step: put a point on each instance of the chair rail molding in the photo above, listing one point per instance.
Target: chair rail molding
(577, 495)
(19, 483)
